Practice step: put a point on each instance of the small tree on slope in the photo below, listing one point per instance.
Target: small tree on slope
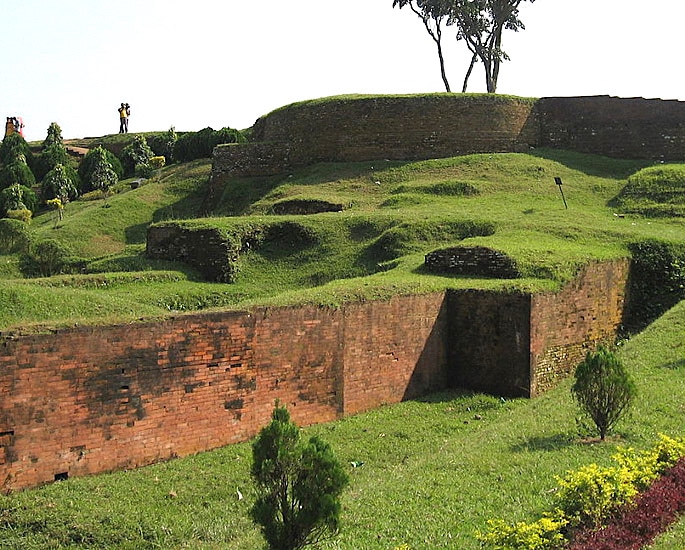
(603, 389)
(298, 485)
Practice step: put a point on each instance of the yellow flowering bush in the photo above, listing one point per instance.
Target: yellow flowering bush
(22, 214)
(543, 534)
(157, 162)
(648, 465)
(588, 497)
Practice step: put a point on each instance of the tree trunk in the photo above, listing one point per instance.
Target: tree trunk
(468, 73)
(442, 67)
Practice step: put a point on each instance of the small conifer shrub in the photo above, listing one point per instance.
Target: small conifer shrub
(603, 389)
(298, 485)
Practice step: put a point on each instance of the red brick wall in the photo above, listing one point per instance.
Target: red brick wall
(394, 350)
(615, 127)
(92, 399)
(445, 125)
(565, 325)
(489, 338)
(377, 127)
(89, 400)
(398, 127)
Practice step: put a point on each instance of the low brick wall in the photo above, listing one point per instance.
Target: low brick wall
(376, 127)
(416, 127)
(89, 400)
(472, 260)
(614, 127)
(203, 248)
(566, 325)
(399, 127)
(93, 399)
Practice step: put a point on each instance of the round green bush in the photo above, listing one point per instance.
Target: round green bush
(14, 236)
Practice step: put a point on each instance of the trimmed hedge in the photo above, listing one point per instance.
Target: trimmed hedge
(657, 281)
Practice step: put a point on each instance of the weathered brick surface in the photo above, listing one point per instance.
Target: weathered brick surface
(88, 400)
(472, 260)
(401, 128)
(92, 399)
(394, 350)
(567, 324)
(373, 128)
(204, 248)
(614, 127)
(489, 342)
(446, 125)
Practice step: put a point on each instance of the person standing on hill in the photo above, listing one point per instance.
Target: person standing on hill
(124, 112)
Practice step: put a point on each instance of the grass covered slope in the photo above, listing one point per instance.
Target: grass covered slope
(655, 191)
(393, 213)
(427, 473)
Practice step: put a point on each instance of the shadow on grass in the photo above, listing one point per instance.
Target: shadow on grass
(674, 365)
(445, 396)
(546, 443)
(592, 165)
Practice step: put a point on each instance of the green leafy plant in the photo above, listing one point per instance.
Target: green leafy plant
(14, 146)
(196, 145)
(16, 172)
(45, 258)
(96, 156)
(163, 144)
(49, 157)
(18, 197)
(603, 389)
(657, 280)
(298, 486)
(58, 184)
(103, 177)
(137, 153)
(14, 236)
(543, 534)
(54, 135)
(53, 152)
(144, 171)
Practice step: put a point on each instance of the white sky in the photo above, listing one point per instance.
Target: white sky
(197, 63)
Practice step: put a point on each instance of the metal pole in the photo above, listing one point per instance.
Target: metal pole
(558, 181)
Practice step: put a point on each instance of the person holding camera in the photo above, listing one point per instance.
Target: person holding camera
(124, 112)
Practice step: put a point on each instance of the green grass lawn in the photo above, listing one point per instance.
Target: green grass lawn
(395, 213)
(434, 470)
(429, 473)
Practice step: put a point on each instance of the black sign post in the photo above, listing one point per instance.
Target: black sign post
(558, 181)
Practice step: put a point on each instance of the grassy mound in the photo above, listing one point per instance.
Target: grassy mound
(655, 191)
(394, 214)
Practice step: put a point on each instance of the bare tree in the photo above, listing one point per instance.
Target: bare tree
(434, 14)
(480, 25)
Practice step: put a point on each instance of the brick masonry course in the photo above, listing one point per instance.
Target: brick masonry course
(87, 400)
(93, 399)
(421, 127)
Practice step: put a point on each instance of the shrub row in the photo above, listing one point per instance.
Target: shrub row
(657, 281)
(196, 145)
(650, 514)
(592, 497)
(20, 170)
